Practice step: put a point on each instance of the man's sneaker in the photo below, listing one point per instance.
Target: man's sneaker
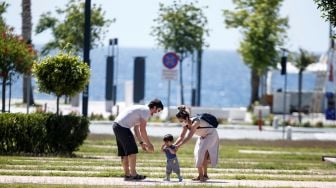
(166, 179)
(180, 179)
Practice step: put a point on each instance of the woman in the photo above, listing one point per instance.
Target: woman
(207, 144)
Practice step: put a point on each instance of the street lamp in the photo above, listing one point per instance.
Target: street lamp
(284, 72)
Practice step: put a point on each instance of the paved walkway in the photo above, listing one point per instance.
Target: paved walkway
(156, 182)
(232, 131)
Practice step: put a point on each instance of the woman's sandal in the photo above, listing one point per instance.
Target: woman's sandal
(203, 179)
(197, 178)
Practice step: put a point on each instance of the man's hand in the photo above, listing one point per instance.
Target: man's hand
(150, 148)
(143, 146)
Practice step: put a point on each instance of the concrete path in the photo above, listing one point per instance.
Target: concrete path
(232, 131)
(157, 182)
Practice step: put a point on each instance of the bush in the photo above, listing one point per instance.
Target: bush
(41, 133)
(98, 117)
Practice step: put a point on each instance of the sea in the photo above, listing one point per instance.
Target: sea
(225, 78)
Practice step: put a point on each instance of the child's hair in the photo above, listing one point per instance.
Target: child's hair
(182, 112)
(168, 137)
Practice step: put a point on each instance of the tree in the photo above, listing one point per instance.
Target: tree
(302, 60)
(181, 28)
(328, 9)
(62, 74)
(263, 30)
(71, 29)
(16, 56)
(26, 34)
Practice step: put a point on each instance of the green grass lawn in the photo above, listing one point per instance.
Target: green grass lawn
(239, 159)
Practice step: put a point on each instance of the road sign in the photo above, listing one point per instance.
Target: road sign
(170, 60)
(169, 74)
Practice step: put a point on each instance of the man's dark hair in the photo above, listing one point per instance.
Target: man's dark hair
(155, 103)
(168, 137)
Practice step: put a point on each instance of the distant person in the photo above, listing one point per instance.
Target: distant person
(207, 144)
(134, 117)
(172, 163)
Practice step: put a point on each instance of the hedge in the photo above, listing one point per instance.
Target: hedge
(41, 133)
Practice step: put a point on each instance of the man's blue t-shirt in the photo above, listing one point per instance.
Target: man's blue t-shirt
(168, 154)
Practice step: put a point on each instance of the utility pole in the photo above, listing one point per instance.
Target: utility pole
(86, 55)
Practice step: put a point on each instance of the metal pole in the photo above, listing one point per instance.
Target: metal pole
(199, 77)
(86, 54)
(168, 102)
(284, 108)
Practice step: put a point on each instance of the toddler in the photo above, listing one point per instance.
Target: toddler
(172, 162)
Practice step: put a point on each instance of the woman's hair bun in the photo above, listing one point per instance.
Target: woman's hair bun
(181, 108)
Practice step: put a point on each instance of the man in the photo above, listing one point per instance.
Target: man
(134, 117)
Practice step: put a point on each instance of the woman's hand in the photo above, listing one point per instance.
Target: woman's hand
(177, 146)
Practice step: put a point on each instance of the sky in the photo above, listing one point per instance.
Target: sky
(134, 20)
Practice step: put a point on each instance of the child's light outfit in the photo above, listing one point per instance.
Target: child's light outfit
(172, 164)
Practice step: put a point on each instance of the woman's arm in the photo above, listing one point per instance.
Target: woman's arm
(190, 134)
(181, 137)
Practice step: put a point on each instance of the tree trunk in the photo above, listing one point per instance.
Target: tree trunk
(300, 96)
(255, 81)
(4, 80)
(181, 84)
(26, 34)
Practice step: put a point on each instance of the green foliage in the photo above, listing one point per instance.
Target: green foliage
(16, 56)
(263, 30)
(66, 133)
(41, 133)
(328, 9)
(303, 59)
(181, 28)
(71, 29)
(63, 74)
(98, 117)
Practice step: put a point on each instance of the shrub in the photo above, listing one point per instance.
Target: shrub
(41, 133)
(62, 74)
(319, 124)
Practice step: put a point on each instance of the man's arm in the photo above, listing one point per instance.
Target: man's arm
(143, 134)
(137, 133)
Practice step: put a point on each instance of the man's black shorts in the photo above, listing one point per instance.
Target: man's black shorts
(125, 140)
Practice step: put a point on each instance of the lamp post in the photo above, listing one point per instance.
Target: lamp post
(284, 72)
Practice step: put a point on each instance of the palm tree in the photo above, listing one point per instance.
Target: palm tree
(302, 60)
(26, 34)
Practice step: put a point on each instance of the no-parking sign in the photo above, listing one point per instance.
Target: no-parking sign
(170, 60)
